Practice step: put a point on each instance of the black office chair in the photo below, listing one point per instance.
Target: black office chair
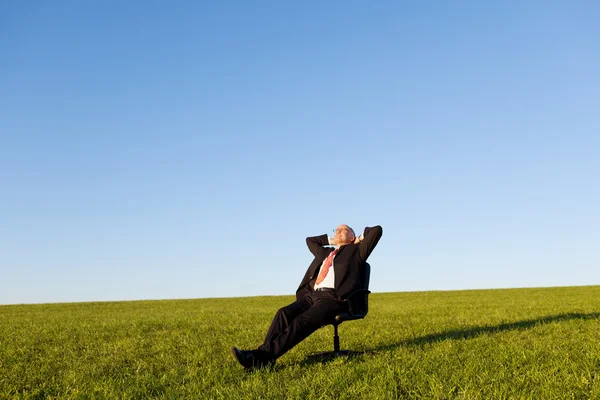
(358, 307)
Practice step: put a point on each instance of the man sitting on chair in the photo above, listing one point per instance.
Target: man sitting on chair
(332, 276)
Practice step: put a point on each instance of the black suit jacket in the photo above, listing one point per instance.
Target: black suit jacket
(348, 263)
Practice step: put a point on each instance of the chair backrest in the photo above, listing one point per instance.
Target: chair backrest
(366, 275)
(359, 304)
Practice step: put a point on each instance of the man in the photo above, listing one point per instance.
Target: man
(332, 276)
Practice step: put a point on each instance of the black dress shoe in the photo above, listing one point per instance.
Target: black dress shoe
(250, 359)
(244, 357)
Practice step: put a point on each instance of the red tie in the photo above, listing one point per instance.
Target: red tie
(326, 266)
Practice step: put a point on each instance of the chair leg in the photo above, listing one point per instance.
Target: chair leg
(336, 349)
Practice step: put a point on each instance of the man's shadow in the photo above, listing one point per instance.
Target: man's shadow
(467, 333)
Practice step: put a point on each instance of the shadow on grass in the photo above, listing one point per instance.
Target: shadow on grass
(467, 333)
(329, 357)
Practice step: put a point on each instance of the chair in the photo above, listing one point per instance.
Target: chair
(358, 307)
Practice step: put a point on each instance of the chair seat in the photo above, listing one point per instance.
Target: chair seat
(348, 317)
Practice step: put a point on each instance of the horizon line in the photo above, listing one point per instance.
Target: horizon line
(283, 295)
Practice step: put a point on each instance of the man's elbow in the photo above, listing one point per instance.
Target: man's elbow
(377, 230)
(310, 242)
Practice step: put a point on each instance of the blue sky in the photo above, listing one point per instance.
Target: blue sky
(185, 150)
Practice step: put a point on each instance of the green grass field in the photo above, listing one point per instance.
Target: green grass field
(484, 344)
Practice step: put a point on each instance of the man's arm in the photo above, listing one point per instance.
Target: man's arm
(316, 243)
(368, 240)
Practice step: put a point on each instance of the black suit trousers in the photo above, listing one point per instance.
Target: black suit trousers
(295, 322)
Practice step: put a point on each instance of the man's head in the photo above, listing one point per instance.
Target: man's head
(344, 235)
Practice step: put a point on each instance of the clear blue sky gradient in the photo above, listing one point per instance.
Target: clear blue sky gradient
(185, 150)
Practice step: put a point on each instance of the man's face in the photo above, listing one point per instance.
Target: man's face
(343, 235)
